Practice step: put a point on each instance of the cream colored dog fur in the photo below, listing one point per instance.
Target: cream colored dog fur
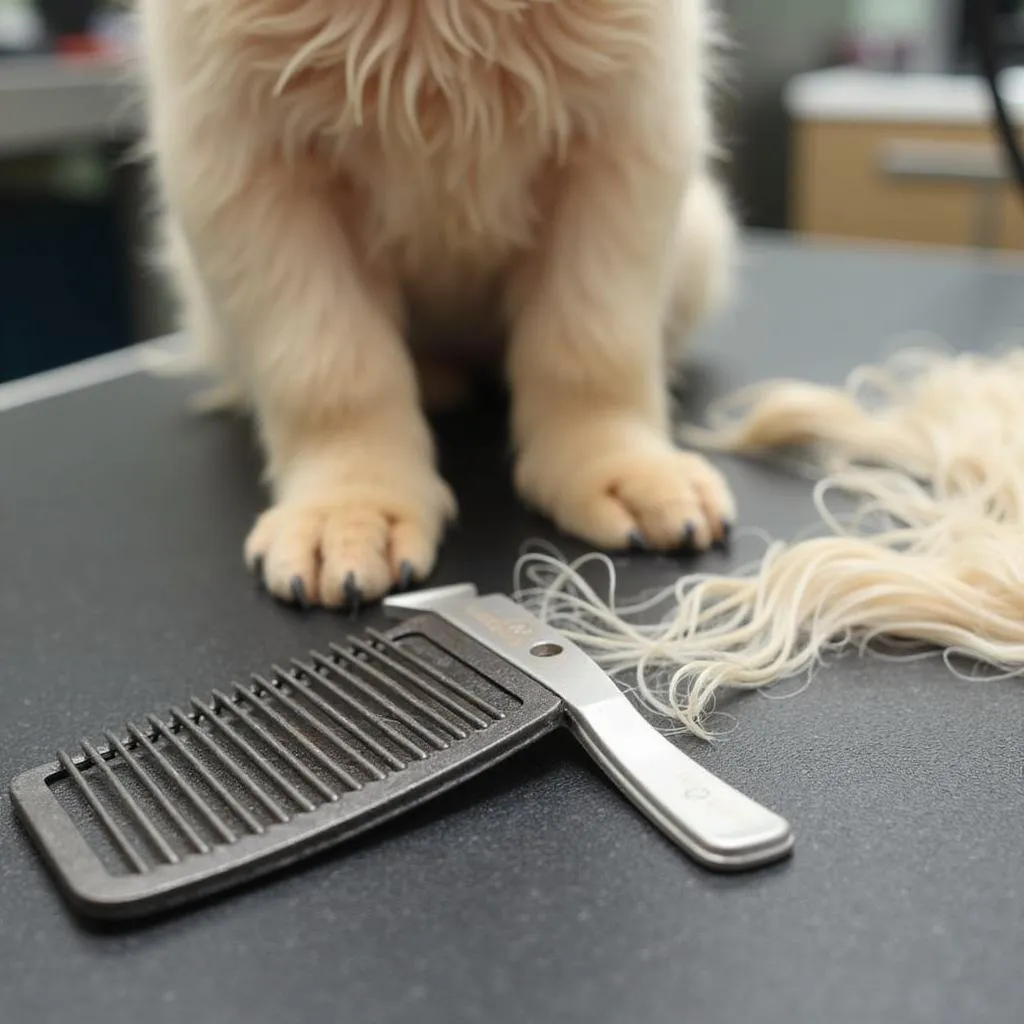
(332, 168)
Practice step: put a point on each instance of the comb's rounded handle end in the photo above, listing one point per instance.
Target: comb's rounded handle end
(715, 824)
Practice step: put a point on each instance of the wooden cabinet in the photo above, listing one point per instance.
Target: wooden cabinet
(931, 173)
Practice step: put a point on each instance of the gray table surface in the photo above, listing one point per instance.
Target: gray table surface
(535, 893)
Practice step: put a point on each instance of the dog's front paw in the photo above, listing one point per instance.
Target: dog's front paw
(352, 547)
(634, 495)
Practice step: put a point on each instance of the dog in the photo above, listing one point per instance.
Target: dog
(334, 172)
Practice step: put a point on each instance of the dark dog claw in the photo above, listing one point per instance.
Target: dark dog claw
(638, 542)
(353, 595)
(406, 576)
(299, 592)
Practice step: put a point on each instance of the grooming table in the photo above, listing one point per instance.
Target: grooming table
(536, 893)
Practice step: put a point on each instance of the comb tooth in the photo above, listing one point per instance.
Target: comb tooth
(365, 665)
(135, 811)
(294, 679)
(438, 742)
(467, 715)
(190, 834)
(208, 813)
(328, 734)
(317, 783)
(222, 729)
(112, 827)
(406, 744)
(424, 666)
(225, 762)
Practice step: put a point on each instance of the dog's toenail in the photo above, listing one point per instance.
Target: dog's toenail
(406, 576)
(637, 541)
(353, 595)
(299, 592)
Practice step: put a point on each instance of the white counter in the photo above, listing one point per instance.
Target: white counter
(859, 95)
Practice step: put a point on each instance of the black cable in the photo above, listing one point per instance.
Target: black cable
(988, 52)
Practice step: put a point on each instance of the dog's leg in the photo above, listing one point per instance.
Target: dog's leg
(587, 360)
(359, 506)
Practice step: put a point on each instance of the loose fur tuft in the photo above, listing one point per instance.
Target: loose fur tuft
(930, 562)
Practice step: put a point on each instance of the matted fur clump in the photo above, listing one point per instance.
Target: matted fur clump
(929, 447)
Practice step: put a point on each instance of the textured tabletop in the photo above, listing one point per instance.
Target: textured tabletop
(535, 893)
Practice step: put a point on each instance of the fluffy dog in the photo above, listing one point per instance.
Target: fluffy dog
(334, 170)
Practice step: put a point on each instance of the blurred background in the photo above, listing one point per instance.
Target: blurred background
(855, 119)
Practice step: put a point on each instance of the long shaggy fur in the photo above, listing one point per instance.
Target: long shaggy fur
(335, 171)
